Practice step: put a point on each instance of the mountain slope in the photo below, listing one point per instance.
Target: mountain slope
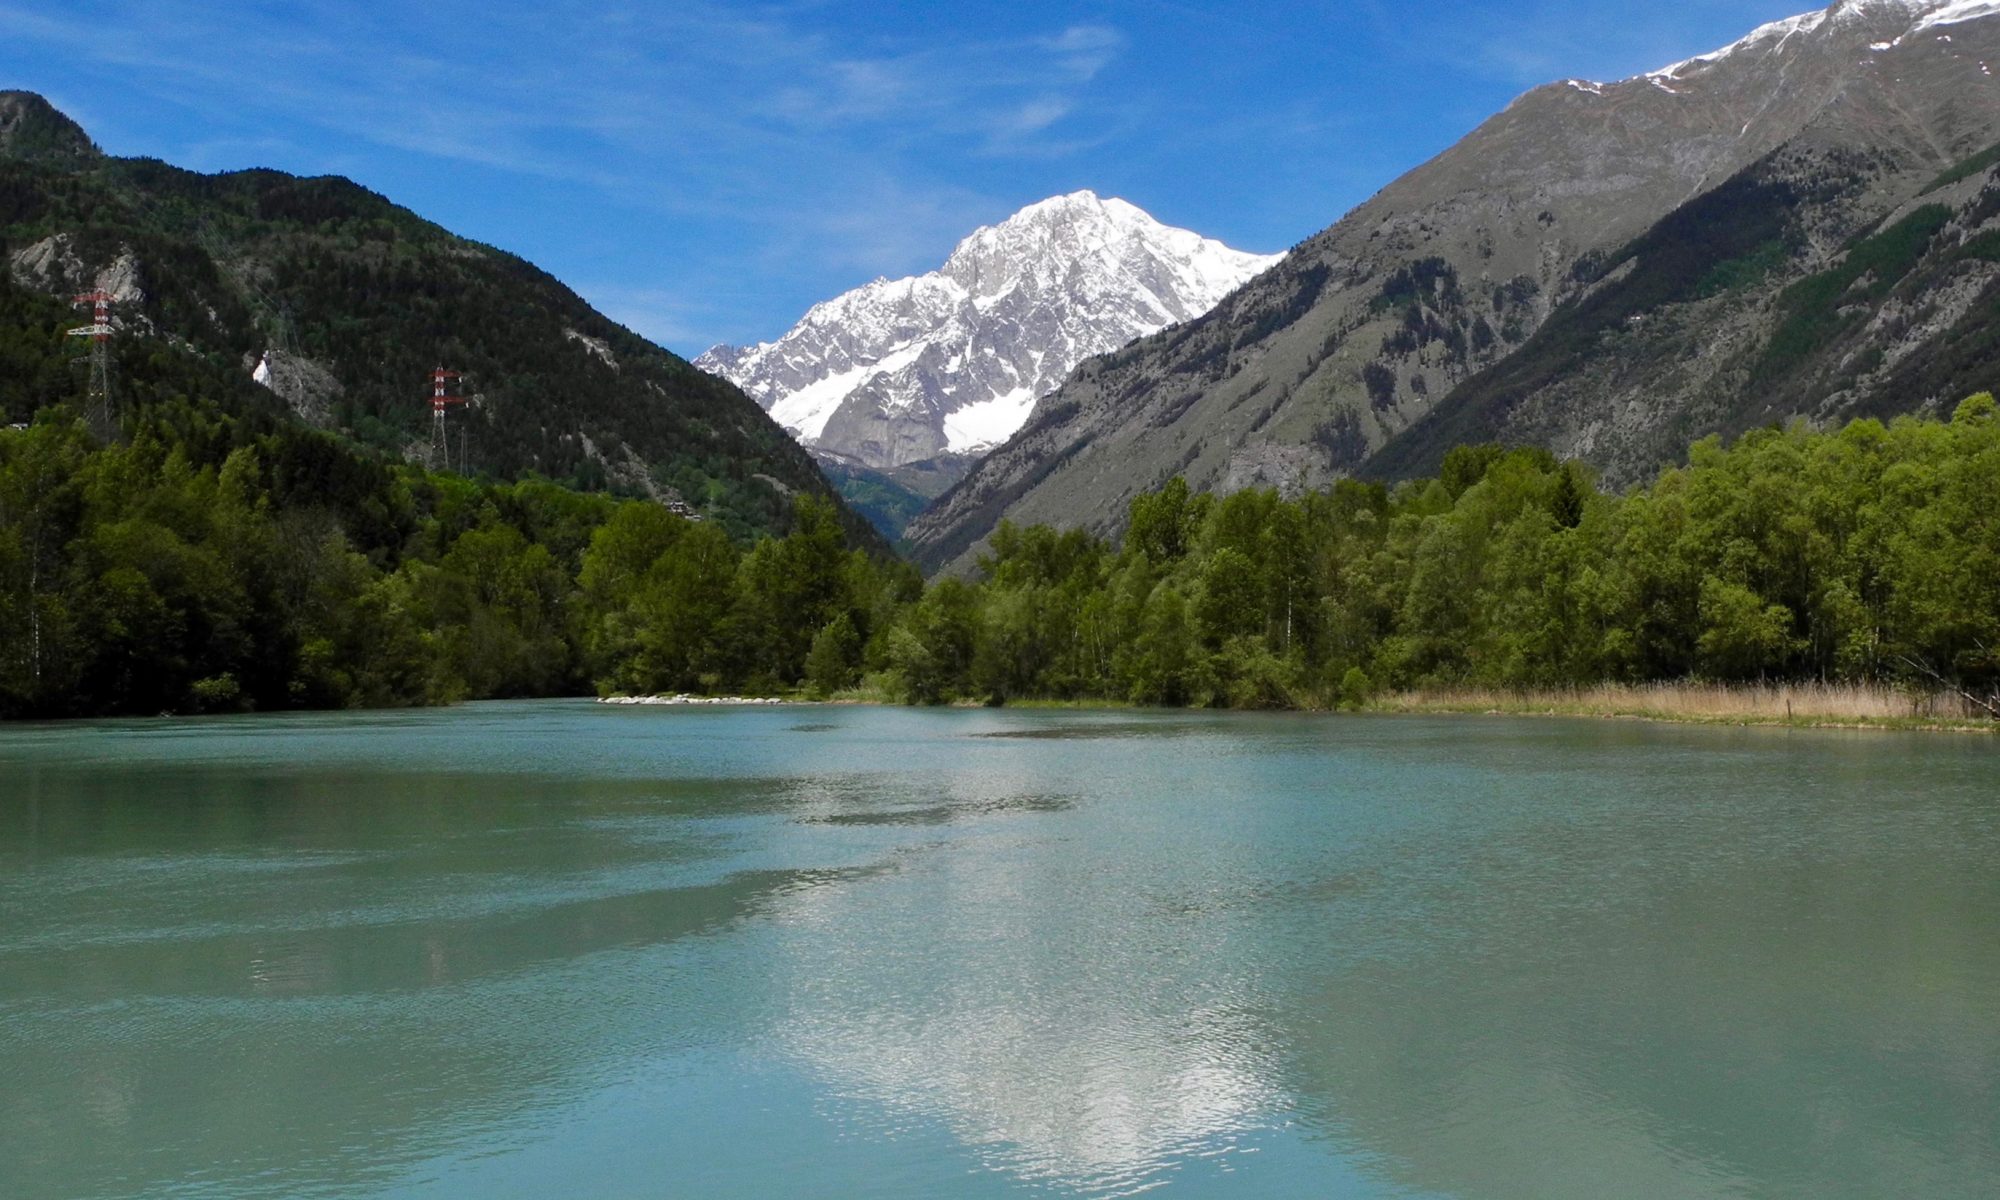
(903, 371)
(1725, 317)
(343, 302)
(1306, 373)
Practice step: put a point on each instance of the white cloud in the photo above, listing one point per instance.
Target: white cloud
(1084, 50)
(1034, 116)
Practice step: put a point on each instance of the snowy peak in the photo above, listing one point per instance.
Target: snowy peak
(903, 370)
(1878, 25)
(1100, 243)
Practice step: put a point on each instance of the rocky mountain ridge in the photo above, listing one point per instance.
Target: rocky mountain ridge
(1348, 346)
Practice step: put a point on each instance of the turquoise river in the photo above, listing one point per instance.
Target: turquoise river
(568, 950)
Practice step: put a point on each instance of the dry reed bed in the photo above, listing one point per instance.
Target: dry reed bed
(1819, 704)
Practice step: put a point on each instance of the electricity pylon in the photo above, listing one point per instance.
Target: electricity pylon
(98, 410)
(442, 398)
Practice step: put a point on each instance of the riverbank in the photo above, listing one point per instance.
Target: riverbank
(1801, 706)
(1805, 706)
(684, 698)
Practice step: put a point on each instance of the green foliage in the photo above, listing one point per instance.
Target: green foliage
(1162, 523)
(1355, 688)
(223, 558)
(1566, 506)
(1465, 466)
(931, 649)
(146, 578)
(1871, 554)
(887, 504)
(1740, 633)
(834, 663)
(1965, 170)
(1985, 247)
(1745, 270)
(1871, 267)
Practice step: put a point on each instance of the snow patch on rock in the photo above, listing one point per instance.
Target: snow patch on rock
(1916, 16)
(307, 387)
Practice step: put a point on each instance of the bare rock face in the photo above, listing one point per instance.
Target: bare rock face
(53, 265)
(309, 388)
(1307, 373)
(50, 265)
(904, 371)
(598, 347)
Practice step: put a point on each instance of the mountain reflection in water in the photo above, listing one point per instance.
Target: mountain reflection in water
(534, 949)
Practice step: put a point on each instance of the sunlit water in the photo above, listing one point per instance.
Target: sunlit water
(552, 950)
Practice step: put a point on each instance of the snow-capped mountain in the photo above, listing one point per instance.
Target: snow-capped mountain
(904, 370)
(1415, 323)
(1907, 19)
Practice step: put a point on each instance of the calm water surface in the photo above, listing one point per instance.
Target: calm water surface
(536, 950)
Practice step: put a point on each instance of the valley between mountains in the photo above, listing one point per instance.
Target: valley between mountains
(1492, 694)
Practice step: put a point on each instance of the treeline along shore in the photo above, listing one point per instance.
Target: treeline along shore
(212, 562)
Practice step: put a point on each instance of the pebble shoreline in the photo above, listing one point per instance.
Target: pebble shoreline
(685, 699)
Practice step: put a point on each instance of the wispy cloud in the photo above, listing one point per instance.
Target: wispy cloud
(695, 79)
(811, 139)
(1084, 50)
(1032, 117)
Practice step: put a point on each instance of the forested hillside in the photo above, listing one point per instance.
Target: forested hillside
(225, 557)
(349, 301)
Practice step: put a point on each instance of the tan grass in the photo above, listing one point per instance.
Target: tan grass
(1748, 704)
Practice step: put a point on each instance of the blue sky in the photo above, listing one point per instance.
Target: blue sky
(705, 170)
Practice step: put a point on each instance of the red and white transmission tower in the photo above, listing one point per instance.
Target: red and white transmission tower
(442, 397)
(98, 411)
